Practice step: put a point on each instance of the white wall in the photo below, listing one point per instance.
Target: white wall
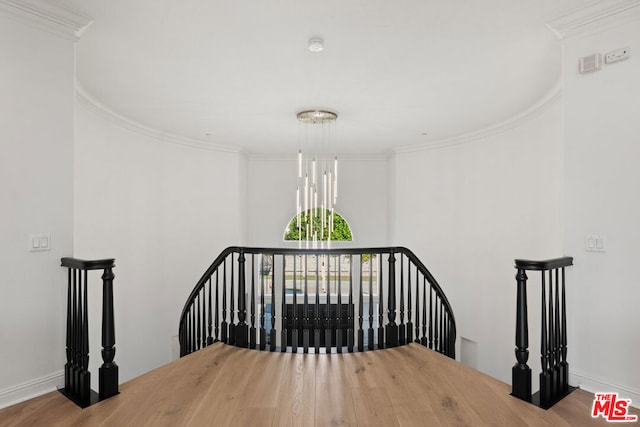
(362, 200)
(164, 211)
(36, 190)
(602, 137)
(469, 210)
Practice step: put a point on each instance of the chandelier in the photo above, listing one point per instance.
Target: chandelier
(317, 181)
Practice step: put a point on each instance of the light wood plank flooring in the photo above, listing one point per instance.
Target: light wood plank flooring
(228, 386)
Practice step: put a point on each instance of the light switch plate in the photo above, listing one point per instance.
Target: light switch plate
(594, 243)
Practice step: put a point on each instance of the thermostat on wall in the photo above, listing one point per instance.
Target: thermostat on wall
(590, 63)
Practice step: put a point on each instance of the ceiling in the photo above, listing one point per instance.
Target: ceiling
(234, 73)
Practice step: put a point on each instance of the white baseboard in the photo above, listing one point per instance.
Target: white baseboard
(596, 385)
(30, 389)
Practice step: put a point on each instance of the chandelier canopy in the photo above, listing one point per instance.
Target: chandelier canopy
(316, 116)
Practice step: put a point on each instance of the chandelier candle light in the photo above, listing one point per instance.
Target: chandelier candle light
(317, 183)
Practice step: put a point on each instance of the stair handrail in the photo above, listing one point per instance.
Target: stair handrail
(442, 330)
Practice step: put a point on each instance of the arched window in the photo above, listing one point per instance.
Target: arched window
(341, 229)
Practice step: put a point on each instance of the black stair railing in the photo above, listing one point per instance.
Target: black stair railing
(318, 300)
(77, 378)
(554, 375)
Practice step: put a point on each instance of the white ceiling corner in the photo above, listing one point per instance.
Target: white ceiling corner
(594, 17)
(48, 16)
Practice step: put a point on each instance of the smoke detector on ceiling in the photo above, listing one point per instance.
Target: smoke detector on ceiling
(316, 44)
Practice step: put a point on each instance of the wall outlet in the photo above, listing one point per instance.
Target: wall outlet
(40, 242)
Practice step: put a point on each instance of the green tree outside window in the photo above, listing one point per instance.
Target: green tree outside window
(341, 230)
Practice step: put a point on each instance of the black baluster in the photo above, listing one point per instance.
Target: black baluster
(217, 321)
(273, 333)
(431, 316)
(360, 310)
(305, 310)
(424, 341)
(203, 319)
(441, 308)
(192, 327)
(417, 306)
(232, 322)
(76, 336)
(197, 320)
(445, 336)
(316, 314)
(252, 330)
(209, 316)
(68, 372)
(556, 345)
(564, 366)
(294, 330)
(85, 375)
(441, 340)
(545, 378)
(263, 332)
(108, 372)
(76, 342)
(224, 327)
(370, 343)
(350, 316)
(242, 328)
(402, 331)
(409, 313)
(339, 321)
(521, 373)
(327, 326)
(552, 339)
(283, 333)
(188, 331)
(391, 328)
(380, 303)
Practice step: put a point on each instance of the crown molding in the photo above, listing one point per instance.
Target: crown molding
(290, 157)
(513, 122)
(110, 115)
(594, 17)
(48, 16)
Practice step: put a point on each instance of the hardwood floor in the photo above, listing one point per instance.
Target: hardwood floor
(223, 385)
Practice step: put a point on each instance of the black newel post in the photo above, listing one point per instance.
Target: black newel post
(242, 329)
(391, 328)
(554, 374)
(108, 372)
(521, 373)
(77, 376)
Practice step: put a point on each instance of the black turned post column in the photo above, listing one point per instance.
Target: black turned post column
(242, 328)
(391, 328)
(564, 365)
(521, 373)
(77, 376)
(108, 372)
